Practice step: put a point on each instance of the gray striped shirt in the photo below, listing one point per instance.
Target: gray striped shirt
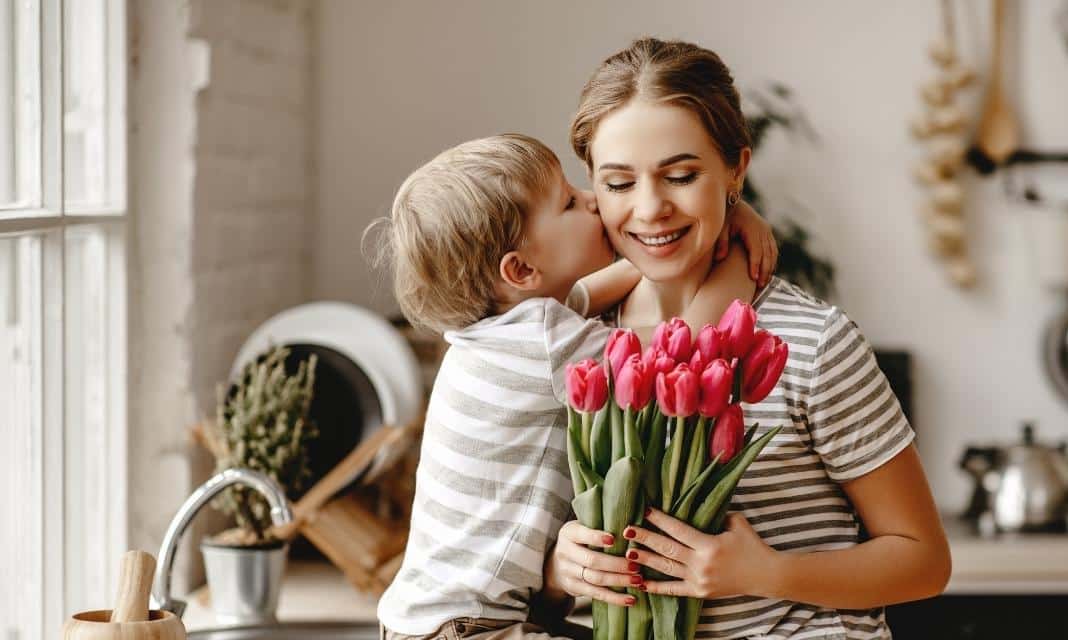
(492, 487)
(840, 420)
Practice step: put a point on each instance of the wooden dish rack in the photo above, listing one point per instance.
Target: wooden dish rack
(365, 542)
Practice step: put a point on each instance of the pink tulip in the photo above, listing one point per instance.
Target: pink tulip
(709, 343)
(634, 384)
(673, 337)
(676, 391)
(716, 383)
(736, 328)
(622, 344)
(587, 386)
(727, 435)
(697, 362)
(657, 360)
(763, 366)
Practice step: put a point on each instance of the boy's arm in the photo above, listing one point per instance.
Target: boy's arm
(607, 288)
(743, 222)
(728, 279)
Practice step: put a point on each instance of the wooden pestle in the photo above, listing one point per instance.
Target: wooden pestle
(131, 618)
(135, 583)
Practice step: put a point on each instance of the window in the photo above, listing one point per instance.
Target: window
(62, 309)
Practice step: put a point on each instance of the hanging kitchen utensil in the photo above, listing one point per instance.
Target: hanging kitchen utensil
(998, 134)
(941, 127)
(131, 618)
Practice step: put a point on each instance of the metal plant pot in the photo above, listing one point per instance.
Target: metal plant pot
(244, 581)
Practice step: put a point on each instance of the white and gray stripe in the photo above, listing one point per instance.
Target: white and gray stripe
(492, 487)
(840, 421)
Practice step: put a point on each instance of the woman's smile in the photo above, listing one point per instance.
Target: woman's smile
(661, 243)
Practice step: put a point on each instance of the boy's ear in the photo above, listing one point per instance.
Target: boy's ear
(518, 273)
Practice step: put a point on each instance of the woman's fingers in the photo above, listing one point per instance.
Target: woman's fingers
(677, 529)
(670, 588)
(575, 532)
(609, 579)
(665, 565)
(583, 581)
(582, 556)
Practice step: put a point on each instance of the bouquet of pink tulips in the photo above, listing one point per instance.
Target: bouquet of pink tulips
(683, 453)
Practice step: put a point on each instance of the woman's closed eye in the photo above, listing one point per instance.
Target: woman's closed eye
(683, 179)
(674, 180)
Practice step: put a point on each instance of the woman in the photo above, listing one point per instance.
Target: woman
(667, 147)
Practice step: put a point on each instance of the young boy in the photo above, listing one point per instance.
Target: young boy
(488, 241)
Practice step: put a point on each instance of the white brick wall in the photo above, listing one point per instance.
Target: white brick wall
(221, 93)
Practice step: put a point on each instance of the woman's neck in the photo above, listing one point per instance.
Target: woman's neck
(663, 299)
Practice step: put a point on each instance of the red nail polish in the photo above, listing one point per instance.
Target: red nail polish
(632, 567)
(648, 510)
(608, 540)
(632, 555)
(635, 579)
(630, 601)
(629, 534)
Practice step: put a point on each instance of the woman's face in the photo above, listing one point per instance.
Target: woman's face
(661, 186)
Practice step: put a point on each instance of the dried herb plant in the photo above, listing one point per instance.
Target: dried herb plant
(262, 424)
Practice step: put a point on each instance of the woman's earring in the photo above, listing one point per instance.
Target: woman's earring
(733, 197)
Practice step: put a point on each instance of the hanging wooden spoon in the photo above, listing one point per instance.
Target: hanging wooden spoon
(998, 134)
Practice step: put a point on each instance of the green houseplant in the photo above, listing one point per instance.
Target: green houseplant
(798, 262)
(262, 423)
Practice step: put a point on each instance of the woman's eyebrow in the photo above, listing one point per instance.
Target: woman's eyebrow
(676, 158)
(679, 157)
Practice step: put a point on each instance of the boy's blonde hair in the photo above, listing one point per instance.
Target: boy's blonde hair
(453, 220)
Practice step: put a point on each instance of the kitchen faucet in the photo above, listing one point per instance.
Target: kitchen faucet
(280, 514)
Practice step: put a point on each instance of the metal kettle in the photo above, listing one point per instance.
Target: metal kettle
(1022, 487)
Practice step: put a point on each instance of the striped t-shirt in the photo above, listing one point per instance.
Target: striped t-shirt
(492, 487)
(840, 421)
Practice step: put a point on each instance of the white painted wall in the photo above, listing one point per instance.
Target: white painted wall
(221, 168)
(400, 81)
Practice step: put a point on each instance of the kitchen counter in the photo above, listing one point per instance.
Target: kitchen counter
(311, 591)
(1030, 563)
(999, 565)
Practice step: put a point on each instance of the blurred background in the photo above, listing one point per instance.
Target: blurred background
(174, 173)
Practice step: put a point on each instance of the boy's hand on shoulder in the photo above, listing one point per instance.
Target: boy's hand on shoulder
(744, 223)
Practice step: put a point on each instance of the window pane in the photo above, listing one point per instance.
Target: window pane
(21, 606)
(93, 105)
(20, 104)
(86, 417)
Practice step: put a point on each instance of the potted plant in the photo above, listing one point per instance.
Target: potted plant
(262, 424)
(798, 261)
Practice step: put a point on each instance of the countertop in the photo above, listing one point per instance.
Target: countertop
(1003, 564)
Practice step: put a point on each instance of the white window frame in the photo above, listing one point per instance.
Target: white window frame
(70, 530)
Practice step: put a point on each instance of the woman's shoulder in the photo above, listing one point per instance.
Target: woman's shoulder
(785, 308)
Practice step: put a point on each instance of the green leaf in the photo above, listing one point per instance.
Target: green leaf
(724, 489)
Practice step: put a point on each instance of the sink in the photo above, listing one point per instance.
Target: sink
(292, 631)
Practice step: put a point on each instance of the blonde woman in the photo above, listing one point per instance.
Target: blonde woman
(667, 147)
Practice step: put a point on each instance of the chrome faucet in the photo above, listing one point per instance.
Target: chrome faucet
(280, 514)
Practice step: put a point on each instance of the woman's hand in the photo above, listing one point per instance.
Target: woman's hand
(744, 222)
(574, 569)
(735, 562)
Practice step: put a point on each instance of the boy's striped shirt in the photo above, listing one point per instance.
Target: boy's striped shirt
(492, 487)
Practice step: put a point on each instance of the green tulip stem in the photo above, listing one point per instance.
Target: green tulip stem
(587, 432)
(615, 418)
(670, 479)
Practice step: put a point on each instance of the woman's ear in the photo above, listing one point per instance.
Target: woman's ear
(739, 170)
(519, 274)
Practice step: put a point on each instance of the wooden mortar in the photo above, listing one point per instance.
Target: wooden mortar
(131, 618)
